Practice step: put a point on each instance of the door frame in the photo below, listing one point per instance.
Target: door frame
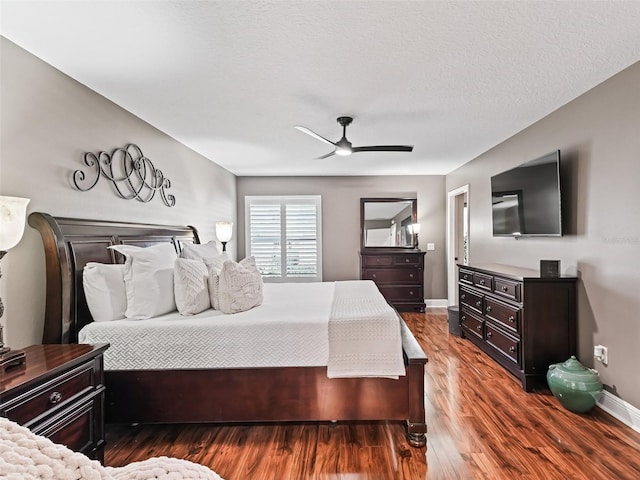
(452, 236)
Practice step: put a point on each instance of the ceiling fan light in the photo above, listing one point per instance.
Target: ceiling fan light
(343, 152)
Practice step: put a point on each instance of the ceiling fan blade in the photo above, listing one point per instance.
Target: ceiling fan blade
(384, 148)
(327, 155)
(313, 134)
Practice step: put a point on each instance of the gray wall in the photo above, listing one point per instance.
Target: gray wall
(599, 138)
(48, 121)
(341, 218)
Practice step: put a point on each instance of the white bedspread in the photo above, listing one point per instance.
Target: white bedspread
(288, 329)
(364, 333)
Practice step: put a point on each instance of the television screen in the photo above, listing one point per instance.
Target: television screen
(526, 199)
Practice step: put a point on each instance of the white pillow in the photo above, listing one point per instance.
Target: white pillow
(240, 286)
(190, 284)
(148, 278)
(105, 291)
(214, 265)
(196, 251)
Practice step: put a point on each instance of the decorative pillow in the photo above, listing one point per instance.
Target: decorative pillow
(105, 291)
(190, 284)
(196, 251)
(214, 265)
(148, 278)
(240, 286)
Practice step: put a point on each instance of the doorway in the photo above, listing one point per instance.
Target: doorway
(457, 237)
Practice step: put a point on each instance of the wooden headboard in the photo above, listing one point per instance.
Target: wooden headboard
(69, 243)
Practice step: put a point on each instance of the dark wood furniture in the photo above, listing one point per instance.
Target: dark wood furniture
(212, 395)
(399, 274)
(523, 321)
(59, 393)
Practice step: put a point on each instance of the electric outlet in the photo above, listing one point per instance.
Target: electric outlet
(601, 353)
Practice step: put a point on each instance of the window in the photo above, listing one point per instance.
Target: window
(284, 235)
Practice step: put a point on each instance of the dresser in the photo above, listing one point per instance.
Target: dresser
(523, 321)
(59, 393)
(399, 275)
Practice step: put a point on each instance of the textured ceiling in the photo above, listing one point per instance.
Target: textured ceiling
(230, 79)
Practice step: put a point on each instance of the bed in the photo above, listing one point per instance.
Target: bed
(225, 395)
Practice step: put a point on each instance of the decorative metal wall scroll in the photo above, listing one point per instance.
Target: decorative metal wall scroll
(132, 174)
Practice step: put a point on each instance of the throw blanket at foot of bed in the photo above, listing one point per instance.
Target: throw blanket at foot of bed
(26, 456)
(364, 333)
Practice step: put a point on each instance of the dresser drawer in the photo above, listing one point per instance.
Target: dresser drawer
(505, 315)
(377, 260)
(471, 299)
(402, 293)
(508, 346)
(52, 396)
(483, 281)
(507, 288)
(472, 324)
(414, 260)
(465, 276)
(397, 275)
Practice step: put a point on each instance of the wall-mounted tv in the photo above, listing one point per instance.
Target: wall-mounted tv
(525, 200)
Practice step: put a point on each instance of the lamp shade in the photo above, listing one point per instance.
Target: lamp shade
(13, 211)
(415, 227)
(224, 231)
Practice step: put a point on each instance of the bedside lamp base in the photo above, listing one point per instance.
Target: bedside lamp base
(11, 358)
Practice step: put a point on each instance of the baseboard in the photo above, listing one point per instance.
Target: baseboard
(436, 302)
(618, 408)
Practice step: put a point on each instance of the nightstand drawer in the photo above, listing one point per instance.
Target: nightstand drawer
(74, 426)
(52, 396)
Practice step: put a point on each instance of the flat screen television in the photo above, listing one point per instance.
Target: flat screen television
(525, 201)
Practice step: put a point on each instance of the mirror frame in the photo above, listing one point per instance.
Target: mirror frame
(414, 217)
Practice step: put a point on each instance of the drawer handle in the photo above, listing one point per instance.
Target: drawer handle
(373, 276)
(512, 349)
(504, 288)
(55, 397)
(406, 260)
(463, 295)
(411, 292)
(411, 275)
(479, 327)
(512, 319)
(489, 334)
(481, 282)
(478, 303)
(488, 308)
(464, 317)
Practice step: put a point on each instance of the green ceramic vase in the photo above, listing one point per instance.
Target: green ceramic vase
(576, 387)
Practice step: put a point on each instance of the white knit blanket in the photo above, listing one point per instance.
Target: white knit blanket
(26, 456)
(364, 333)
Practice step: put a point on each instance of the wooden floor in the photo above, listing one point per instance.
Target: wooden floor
(482, 425)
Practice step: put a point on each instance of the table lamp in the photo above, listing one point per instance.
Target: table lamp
(12, 219)
(224, 230)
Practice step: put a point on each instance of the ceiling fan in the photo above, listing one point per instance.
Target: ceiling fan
(343, 146)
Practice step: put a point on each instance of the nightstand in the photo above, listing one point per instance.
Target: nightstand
(59, 393)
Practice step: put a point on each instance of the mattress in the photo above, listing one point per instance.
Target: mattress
(289, 329)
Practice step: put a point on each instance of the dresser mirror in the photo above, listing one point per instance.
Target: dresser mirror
(385, 222)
